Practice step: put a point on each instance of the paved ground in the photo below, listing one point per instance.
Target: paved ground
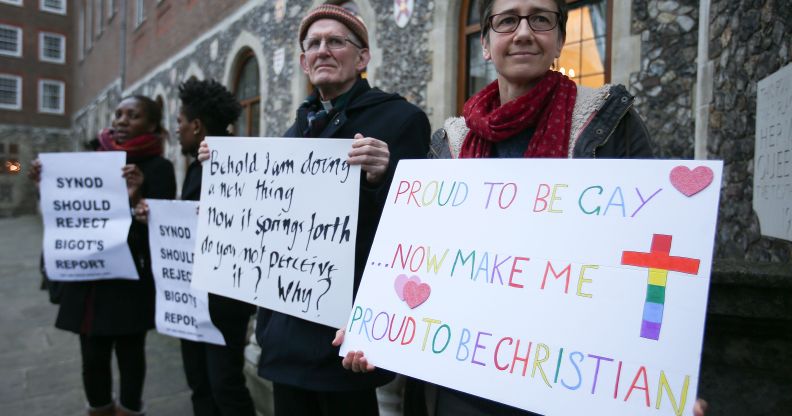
(40, 365)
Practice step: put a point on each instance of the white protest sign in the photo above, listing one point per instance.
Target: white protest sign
(85, 207)
(563, 287)
(772, 191)
(277, 225)
(181, 311)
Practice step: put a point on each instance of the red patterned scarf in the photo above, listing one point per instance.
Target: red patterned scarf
(139, 147)
(547, 108)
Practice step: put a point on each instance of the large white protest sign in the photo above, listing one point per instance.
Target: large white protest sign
(772, 190)
(85, 207)
(277, 225)
(181, 311)
(564, 287)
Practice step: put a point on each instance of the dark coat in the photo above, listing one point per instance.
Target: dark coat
(117, 306)
(616, 131)
(298, 352)
(227, 314)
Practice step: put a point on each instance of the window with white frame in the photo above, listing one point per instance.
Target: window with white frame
(111, 8)
(81, 35)
(99, 17)
(89, 33)
(12, 2)
(52, 47)
(140, 12)
(50, 96)
(10, 40)
(10, 92)
(53, 6)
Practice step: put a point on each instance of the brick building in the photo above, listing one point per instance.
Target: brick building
(35, 66)
(696, 88)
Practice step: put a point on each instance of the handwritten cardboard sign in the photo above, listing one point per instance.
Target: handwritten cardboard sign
(558, 286)
(277, 225)
(85, 207)
(181, 311)
(772, 190)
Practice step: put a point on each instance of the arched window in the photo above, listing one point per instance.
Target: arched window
(475, 73)
(248, 93)
(585, 57)
(586, 54)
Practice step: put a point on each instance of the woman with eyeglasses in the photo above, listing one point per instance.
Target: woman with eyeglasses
(530, 111)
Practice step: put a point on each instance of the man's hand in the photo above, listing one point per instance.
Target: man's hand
(203, 151)
(354, 360)
(372, 155)
(134, 181)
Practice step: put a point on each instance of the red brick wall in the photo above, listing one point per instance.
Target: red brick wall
(100, 65)
(170, 26)
(32, 21)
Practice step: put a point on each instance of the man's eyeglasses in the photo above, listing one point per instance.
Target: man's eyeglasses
(538, 22)
(312, 45)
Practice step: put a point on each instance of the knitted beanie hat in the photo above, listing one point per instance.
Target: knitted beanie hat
(340, 14)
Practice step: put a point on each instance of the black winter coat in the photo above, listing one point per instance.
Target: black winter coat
(117, 306)
(298, 352)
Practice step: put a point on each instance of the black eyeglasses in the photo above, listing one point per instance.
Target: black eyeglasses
(538, 22)
(312, 45)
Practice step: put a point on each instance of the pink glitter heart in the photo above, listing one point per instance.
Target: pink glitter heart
(401, 280)
(691, 182)
(415, 294)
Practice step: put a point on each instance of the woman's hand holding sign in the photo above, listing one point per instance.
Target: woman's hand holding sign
(354, 360)
(134, 181)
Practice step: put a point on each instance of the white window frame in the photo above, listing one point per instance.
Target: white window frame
(12, 2)
(99, 17)
(111, 8)
(62, 10)
(81, 35)
(44, 58)
(18, 105)
(62, 86)
(140, 13)
(18, 53)
(89, 24)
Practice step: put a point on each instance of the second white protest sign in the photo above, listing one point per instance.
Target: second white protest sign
(278, 223)
(182, 311)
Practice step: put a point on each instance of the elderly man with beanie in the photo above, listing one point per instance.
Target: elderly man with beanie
(297, 355)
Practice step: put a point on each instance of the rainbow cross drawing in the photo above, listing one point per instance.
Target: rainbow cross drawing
(659, 262)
